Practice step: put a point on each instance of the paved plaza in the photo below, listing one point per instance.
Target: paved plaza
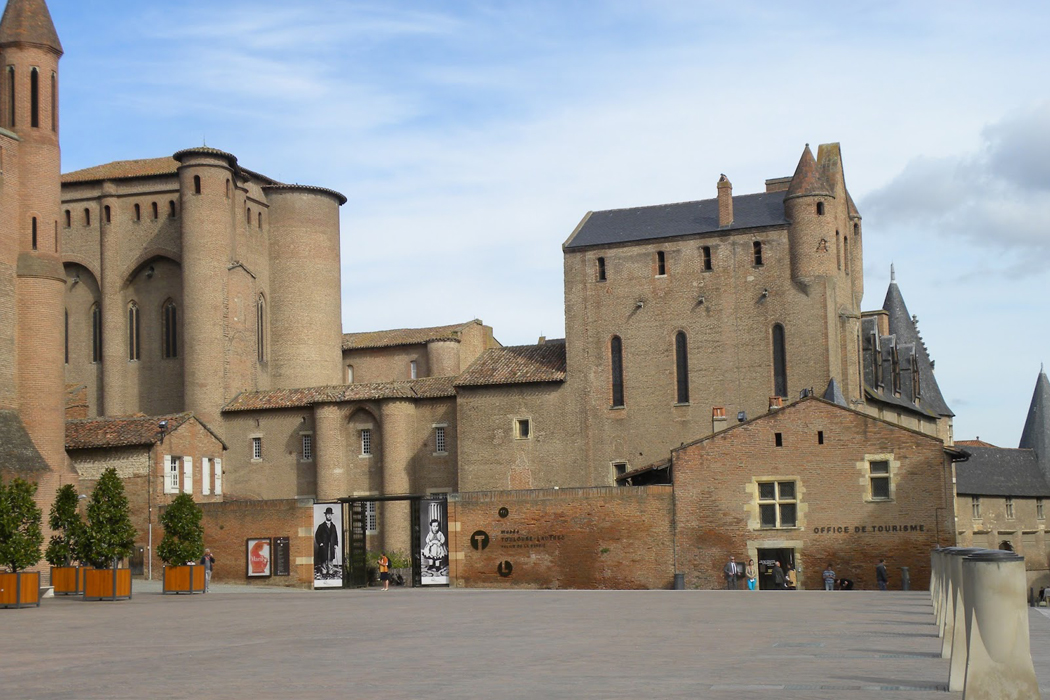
(238, 642)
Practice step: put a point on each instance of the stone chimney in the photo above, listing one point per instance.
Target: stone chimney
(775, 403)
(725, 201)
(718, 419)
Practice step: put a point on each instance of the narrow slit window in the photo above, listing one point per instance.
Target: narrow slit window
(661, 263)
(34, 233)
(706, 252)
(820, 208)
(138, 212)
(260, 327)
(87, 216)
(838, 249)
(778, 439)
(366, 442)
(845, 253)
(256, 448)
(155, 210)
(779, 362)
(107, 214)
(54, 101)
(259, 216)
(196, 184)
(308, 448)
(681, 352)
(601, 269)
(96, 333)
(171, 338)
(439, 439)
(249, 217)
(820, 437)
(171, 208)
(34, 98)
(69, 218)
(11, 96)
(67, 336)
(227, 189)
(756, 249)
(616, 369)
(133, 332)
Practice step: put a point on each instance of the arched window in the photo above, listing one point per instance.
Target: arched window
(248, 218)
(227, 188)
(156, 210)
(681, 361)
(260, 221)
(133, 332)
(171, 333)
(138, 213)
(34, 98)
(196, 184)
(260, 327)
(780, 384)
(11, 96)
(69, 218)
(845, 253)
(34, 233)
(349, 374)
(96, 333)
(616, 369)
(820, 208)
(756, 249)
(106, 213)
(171, 208)
(54, 101)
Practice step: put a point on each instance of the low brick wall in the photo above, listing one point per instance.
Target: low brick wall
(227, 527)
(589, 538)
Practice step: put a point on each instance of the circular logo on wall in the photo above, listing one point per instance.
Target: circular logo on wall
(503, 512)
(504, 569)
(479, 540)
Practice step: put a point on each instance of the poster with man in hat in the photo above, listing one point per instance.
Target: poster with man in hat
(328, 560)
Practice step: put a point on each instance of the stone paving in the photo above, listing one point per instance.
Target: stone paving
(258, 643)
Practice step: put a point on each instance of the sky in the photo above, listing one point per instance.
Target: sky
(470, 138)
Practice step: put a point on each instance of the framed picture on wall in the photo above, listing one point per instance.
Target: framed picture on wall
(260, 550)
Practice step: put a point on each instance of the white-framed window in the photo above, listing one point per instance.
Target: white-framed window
(171, 474)
(307, 454)
(777, 504)
(879, 478)
(522, 428)
(205, 476)
(440, 447)
(371, 518)
(413, 369)
(256, 449)
(1009, 508)
(975, 507)
(366, 442)
(1039, 509)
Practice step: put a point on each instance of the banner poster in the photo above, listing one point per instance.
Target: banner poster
(433, 545)
(259, 557)
(328, 550)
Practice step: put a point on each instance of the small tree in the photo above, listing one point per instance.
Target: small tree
(183, 533)
(64, 520)
(110, 535)
(20, 518)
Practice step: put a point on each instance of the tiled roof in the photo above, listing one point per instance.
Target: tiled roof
(119, 431)
(18, 454)
(29, 22)
(281, 186)
(521, 364)
(123, 169)
(973, 443)
(808, 179)
(427, 388)
(1000, 471)
(404, 336)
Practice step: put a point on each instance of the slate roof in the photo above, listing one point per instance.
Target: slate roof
(28, 22)
(833, 394)
(404, 336)
(1036, 433)
(519, 364)
(1000, 471)
(427, 388)
(615, 226)
(18, 454)
(124, 431)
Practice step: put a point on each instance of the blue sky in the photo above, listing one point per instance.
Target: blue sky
(471, 137)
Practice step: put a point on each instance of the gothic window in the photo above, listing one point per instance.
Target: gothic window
(34, 98)
(133, 332)
(681, 354)
(756, 249)
(96, 333)
(616, 367)
(779, 362)
(170, 324)
(260, 327)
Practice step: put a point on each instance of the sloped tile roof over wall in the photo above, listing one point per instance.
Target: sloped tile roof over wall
(124, 169)
(520, 364)
(428, 388)
(615, 226)
(119, 431)
(404, 336)
(18, 454)
(1000, 471)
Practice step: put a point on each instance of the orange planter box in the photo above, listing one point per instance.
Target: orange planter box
(68, 580)
(21, 590)
(107, 584)
(184, 579)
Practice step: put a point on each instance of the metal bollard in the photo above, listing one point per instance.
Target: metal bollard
(905, 579)
(998, 652)
(679, 582)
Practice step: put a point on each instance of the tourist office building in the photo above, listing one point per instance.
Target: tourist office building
(720, 390)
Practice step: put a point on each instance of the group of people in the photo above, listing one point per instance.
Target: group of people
(786, 580)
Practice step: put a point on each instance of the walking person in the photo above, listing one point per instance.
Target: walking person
(880, 575)
(779, 580)
(829, 578)
(751, 573)
(208, 562)
(384, 571)
(730, 571)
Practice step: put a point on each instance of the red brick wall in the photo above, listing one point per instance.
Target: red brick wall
(227, 526)
(606, 538)
(716, 504)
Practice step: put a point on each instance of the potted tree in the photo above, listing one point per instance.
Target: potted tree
(20, 540)
(64, 547)
(109, 537)
(182, 546)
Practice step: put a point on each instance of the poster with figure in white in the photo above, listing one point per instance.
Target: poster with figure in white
(433, 534)
(328, 550)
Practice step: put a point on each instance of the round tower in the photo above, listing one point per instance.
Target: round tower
(208, 232)
(808, 205)
(30, 51)
(443, 358)
(305, 308)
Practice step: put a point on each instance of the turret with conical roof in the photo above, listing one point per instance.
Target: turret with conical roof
(29, 22)
(807, 205)
(1036, 433)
